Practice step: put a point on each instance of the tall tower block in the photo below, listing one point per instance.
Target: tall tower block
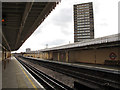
(83, 22)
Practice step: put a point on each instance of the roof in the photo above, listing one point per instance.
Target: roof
(102, 40)
(21, 19)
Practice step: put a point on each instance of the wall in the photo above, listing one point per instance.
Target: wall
(62, 56)
(86, 56)
(82, 56)
(55, 56)
(93, 55)
(5, 54)
(103, 54)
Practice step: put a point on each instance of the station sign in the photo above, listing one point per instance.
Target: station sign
(112, 56)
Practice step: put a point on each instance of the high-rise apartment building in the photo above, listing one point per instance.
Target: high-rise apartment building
(83, 22)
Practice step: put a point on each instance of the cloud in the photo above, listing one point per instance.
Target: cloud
(103, 24)
(54, 42)
(63, 18)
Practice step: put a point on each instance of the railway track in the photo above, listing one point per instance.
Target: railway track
(99, 80)
(48, 82)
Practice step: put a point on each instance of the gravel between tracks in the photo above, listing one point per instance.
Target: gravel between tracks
(58, 76)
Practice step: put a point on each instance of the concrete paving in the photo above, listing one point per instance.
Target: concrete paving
(14, 75)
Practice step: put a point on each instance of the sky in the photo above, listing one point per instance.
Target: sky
(58, 28)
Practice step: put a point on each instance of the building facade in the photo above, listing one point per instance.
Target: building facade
(28, 50)
(83, 22)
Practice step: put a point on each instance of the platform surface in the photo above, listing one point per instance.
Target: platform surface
(14, 75)
(112, 69)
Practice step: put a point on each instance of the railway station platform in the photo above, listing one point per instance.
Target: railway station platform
(14, 75)
(83, 65)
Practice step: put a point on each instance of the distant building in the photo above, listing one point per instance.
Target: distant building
(28, 49)
(83, 22)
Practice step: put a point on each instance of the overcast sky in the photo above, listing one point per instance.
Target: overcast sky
(58, 28)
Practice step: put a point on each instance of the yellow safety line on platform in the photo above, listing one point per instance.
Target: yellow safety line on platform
(28, 78)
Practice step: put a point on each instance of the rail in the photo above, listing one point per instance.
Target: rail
(97, 78)
(48, 82)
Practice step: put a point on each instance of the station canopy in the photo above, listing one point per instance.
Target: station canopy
(20, 20)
